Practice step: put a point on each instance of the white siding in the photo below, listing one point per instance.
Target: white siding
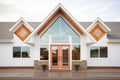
(6, 55)
(113, 55)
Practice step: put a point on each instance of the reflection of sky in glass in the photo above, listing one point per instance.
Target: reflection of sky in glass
(60, 39)
(16, 49)
(26, 49)
(44, 39)
(75, 46)
(60, 32)
(76, 39)
(44, 46)
(93, 47)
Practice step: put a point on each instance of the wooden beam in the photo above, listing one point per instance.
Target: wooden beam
(67, 18)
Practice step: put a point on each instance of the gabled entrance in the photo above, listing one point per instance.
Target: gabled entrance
(60, 57)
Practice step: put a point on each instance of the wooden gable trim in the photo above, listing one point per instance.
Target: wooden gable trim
(97, 38)
(97, 26)
(60, 12)
(71, 22)
(19, 29)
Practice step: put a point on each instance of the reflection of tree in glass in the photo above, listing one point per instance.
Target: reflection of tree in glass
(25, 54)
(44, 53)
(76, 53)
(54, 56)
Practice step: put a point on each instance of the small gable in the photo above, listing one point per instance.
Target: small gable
(21, 29)
(22, 32)
(97, 32)
(98, 29)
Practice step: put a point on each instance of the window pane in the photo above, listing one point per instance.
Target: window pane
(60, 39)
(65, 53)
(54, 56)
(76, 52)
(25, 52)
(16, 52)
(93, 51)
(103, 52)
(62, 30)
(76, 39)
(44, 39)
(44, 52)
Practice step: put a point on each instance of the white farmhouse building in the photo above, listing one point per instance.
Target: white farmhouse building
(59, 41)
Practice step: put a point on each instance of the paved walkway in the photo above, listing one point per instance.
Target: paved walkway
(31, 74)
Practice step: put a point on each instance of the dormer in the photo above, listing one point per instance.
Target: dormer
(21, 29)
(98, 29)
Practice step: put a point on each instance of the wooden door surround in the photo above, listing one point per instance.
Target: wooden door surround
(60, 57)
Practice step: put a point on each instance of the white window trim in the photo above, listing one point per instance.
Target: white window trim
(98, 52)
(71, 51)
(48, 51)
(21, 53)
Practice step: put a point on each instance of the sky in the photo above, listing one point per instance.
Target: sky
(37, 10)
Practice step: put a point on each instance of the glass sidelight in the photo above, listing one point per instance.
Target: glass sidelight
(65, 50)
(54, 55)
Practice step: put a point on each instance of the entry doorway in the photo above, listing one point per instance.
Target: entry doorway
(60, 57)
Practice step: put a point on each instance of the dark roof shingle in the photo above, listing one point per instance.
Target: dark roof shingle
(6, 34)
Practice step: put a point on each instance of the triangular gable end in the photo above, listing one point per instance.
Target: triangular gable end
(19, 22)
(59, 11)
(98, 20)
(22, 29)
(98, 29)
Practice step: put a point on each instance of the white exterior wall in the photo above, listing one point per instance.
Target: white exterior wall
(7, 60)
(113, 55)
(36, 47)
(84, 48)
(6, 55)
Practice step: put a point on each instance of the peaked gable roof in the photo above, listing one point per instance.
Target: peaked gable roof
(20, 21)
(59, 11)
(4, 30)
(98, 20)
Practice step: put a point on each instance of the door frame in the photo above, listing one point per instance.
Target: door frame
(60, 51)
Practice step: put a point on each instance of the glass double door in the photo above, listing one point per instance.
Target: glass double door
(60, 57)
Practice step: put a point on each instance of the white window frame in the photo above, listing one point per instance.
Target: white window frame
(98, 52)
(21, 53)
(45, 44)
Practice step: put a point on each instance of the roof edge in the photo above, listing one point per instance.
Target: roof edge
(50, 14)
(95, 21)
(12, 29)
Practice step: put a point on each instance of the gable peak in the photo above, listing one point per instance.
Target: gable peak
(20, 21)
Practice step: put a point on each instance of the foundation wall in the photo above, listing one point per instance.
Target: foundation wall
(38, 64)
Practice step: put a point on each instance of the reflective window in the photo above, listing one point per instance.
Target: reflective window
(16, 52)
(93, 51)
(44, 52)
(54, 56)
(60, 39)
(44, 39)
(21, 52)
(76, 39)
(60, 32)
(65, 53)
(98, 52)
(76, 52)
(103, 52)
(25, 52)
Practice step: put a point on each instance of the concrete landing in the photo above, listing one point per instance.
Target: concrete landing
(31, 74)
